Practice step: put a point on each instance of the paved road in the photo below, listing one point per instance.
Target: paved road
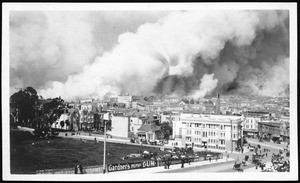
(228, 166)
(203, 168)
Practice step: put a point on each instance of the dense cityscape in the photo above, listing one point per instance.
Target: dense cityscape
(217, 124)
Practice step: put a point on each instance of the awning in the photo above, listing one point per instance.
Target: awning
(141, 133)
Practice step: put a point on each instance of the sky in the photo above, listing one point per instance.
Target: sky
(81, 54)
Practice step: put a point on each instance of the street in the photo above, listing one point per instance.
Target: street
(228, 166)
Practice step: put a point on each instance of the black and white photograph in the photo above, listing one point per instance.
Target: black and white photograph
(149, 91)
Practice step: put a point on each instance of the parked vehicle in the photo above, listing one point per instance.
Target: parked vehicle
(238, 167)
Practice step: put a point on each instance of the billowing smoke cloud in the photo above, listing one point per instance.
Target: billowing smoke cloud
(187, 53)
(48, 46)
(207, 84)
(51, 45)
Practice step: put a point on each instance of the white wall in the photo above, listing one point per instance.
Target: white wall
(120, 126)
(135, 123)
(63, 117)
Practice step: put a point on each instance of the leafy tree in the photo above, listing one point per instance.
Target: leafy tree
(67, 123)
(165, 130)
(192, 101)
(52, 110)
(74, 117)
(62, 124)
(25, 101)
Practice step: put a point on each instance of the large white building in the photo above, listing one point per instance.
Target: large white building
(215, 131)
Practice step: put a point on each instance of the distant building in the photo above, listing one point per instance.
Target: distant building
(250, 125)
(218, 107)
(148, 132)
(169, 117)
(86, 119)
(277, 130)
(86, 100)
(269, 129)
(125, 99)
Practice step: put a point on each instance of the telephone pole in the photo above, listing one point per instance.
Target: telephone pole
(231, 136)
(104, 150)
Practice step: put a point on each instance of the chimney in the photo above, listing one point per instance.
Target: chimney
(218, 104)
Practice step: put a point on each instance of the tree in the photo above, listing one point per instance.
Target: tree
(25, 101)
(67, 122)
(165, 130)
(52, 110)
(62, 124)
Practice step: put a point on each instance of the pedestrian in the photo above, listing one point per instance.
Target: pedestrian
(266, 154)
(209, 159)
(169, 163)
(242, 150)
(164, 159)
(182, 163)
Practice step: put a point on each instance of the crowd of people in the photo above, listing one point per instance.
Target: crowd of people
(279, 162)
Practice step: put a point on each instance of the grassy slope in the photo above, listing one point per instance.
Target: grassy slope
(66, 153)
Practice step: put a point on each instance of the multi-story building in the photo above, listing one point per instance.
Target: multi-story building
(214, 131)
(169, 117)
(250, 125)
(86, 119)
(269, 129)
(279, 129)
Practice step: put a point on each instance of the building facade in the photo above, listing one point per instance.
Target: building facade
(250, 126)
(212, 131)
(120, 126)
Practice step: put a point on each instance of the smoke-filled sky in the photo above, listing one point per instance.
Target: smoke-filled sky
(184, 53)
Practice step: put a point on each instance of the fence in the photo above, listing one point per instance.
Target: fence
(128, 166)
(86, 170)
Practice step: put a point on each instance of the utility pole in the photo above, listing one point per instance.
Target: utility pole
(231, 136)
(104, 151)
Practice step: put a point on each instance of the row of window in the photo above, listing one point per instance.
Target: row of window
(209, 126)
(206, 134)
(210, 141)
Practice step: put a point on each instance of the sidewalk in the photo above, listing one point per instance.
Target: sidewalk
(267, 144)
(161, 169)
